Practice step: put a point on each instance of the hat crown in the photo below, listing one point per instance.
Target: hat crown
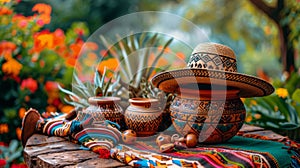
(213, 56)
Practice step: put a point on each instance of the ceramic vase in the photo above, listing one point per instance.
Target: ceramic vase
(214, 118)
(144, 116)
(104, 108)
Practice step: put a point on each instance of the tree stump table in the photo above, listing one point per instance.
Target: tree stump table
(45, 151)
(49, 151)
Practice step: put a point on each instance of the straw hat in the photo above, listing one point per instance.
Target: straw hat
(213, 66)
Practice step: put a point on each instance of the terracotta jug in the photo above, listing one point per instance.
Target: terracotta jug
(144, 116)
(104, 108)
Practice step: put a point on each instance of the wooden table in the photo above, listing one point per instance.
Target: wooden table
(44, 151)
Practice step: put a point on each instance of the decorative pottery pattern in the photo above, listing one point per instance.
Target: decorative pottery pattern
(212, 61)
(222, 119)
(104, 108)
(143, 116)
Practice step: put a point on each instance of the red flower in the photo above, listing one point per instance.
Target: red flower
(30, 84)
(3, 144)
(2, 162)
(22, 165)
(50, 86)
(5, 11)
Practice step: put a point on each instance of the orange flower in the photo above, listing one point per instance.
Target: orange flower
(44, 19)
(29, 84)
(91, 59)
(257, 116)
(22, 112)
(76, 47)
(50, 40)
(42, 8)
(166, 50)
(6, 49)
(19, 132)
(5, 11)
(4, 128)
(161, 62)
(248, 119)
(71, 61)
(180, 55)
(110, 64)
(50, 108)
(42, 40)
(12, 67)
(46, 40)
(90, 46)
(66, 108)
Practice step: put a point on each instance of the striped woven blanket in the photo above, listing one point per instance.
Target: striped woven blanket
(243, 150)
(237, 152)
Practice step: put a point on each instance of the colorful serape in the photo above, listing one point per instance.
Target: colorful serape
(99, 137)
(237, 152)
(241, 151)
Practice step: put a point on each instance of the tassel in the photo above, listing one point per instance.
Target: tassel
(104, 153)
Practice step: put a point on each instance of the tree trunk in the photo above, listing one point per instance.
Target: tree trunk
(286, 49)
(287, 53)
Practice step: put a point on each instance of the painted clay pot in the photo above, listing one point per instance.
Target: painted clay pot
(213, 119)
(104, 108)
(143, 116)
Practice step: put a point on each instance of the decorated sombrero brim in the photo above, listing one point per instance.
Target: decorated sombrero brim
(175, 80)
(212, 65)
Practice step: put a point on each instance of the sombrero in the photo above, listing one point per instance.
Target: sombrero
(212, 65)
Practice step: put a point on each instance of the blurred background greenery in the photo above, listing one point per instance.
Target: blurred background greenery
(251, 27)
(263, 33)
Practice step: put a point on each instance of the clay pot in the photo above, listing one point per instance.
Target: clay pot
(104, 108)
(213, 119)
(143, 116)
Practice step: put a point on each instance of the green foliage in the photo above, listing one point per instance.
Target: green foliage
(133, 54)
(82, 91)
(94, 13)
(279, 111)
(250, 33)
(11, 153)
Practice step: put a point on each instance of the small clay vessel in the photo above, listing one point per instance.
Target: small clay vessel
(144, 116)
(104, 108)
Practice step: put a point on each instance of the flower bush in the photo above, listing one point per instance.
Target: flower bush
(32, 61)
